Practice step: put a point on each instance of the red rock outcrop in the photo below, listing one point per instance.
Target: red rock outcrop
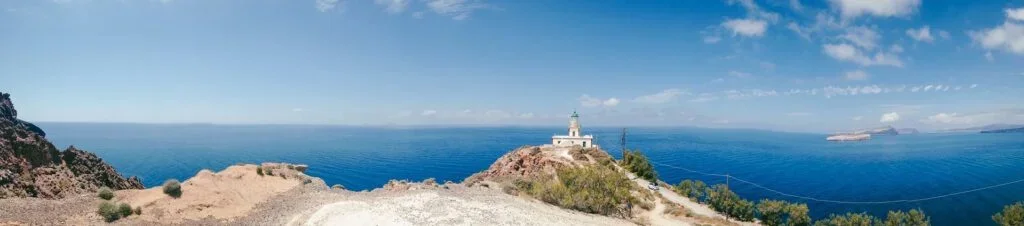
(30, 166)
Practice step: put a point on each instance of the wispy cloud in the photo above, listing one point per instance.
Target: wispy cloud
(393, 6)
(456, 9)
(847, 52)
(661, 97)
(327, 5)
(588, 101)
(922, 34)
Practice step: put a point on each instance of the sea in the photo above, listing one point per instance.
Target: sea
(799, 167)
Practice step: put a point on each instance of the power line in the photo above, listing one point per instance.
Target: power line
(726, 176)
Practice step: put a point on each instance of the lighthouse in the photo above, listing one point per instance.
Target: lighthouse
(575, 137)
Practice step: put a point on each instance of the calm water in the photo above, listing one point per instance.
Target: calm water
(886, 168)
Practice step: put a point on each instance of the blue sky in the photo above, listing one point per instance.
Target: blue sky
(793, 65)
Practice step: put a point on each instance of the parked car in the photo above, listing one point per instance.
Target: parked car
(653, 186)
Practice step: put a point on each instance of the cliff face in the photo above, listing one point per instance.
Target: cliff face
(530, 161)
(30, 166)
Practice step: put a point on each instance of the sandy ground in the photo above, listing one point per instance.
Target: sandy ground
(224, 195)
(238, 196)
(444, 207)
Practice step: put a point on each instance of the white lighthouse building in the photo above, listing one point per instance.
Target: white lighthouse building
(574, 137)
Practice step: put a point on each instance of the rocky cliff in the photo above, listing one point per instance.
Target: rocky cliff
(30, 166)
(531, 161)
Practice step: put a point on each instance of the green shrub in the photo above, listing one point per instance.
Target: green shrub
(105, 193)
(109, 212)
(1012, 215)
(692, 189)
(259, 170)
(725, 201)
(592, 189)
(124, 209)
(849, 219)
(138, 210)
(772, 212)
(173, 188)
(636, 162)
(912, 218)
(776, 212)
(797, 213)
(270, 171)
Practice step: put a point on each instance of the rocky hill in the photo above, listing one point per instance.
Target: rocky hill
(30, 166)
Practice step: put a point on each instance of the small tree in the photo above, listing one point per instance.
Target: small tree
(109, 211)
(848, 219)
(173, 188)
(912, 218)
(105, 193)
(798, 215)
(636, 162)
(124, 209)
(1012, 215)
(772, 212)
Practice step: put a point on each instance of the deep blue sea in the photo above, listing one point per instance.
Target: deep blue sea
(885, 168)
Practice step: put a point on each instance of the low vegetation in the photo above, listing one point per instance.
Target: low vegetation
(259, 170)
(598, 189)
(636, 162)
(109, 211)
(173, 188)
(124, 209)
(1012, 215)
(105, 193)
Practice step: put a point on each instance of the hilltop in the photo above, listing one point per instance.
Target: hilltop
(30, 166)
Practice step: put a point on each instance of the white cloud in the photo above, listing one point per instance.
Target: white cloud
(1015, 14)
(858, 118)
(457, 9)
(864, 37)
(850, 9)
(746, 27)
(297, 109)
(945, 35)
(846, 52)
(795, 4)
(712, 39)
(327, 5)
(1007, 37)
(922, 34)
(857, 75)
(588, 101)
(739, 74)
(611, 102)
(896, 48)
(1001, 116)
(974, 86)
(393, 6)
(800, 31)
(661, 97)
(428, 113)
(526, 115)
(890, 117)
(989, 57)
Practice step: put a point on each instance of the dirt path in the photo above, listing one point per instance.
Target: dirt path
(439, 207)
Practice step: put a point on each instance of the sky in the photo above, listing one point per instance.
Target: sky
(788, 65)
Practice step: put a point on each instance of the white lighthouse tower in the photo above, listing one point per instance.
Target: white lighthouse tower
(575, 137)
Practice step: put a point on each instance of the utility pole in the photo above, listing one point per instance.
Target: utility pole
(622, 142)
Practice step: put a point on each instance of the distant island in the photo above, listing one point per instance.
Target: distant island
(1010, 130)
(866, 134)
(990, 127)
